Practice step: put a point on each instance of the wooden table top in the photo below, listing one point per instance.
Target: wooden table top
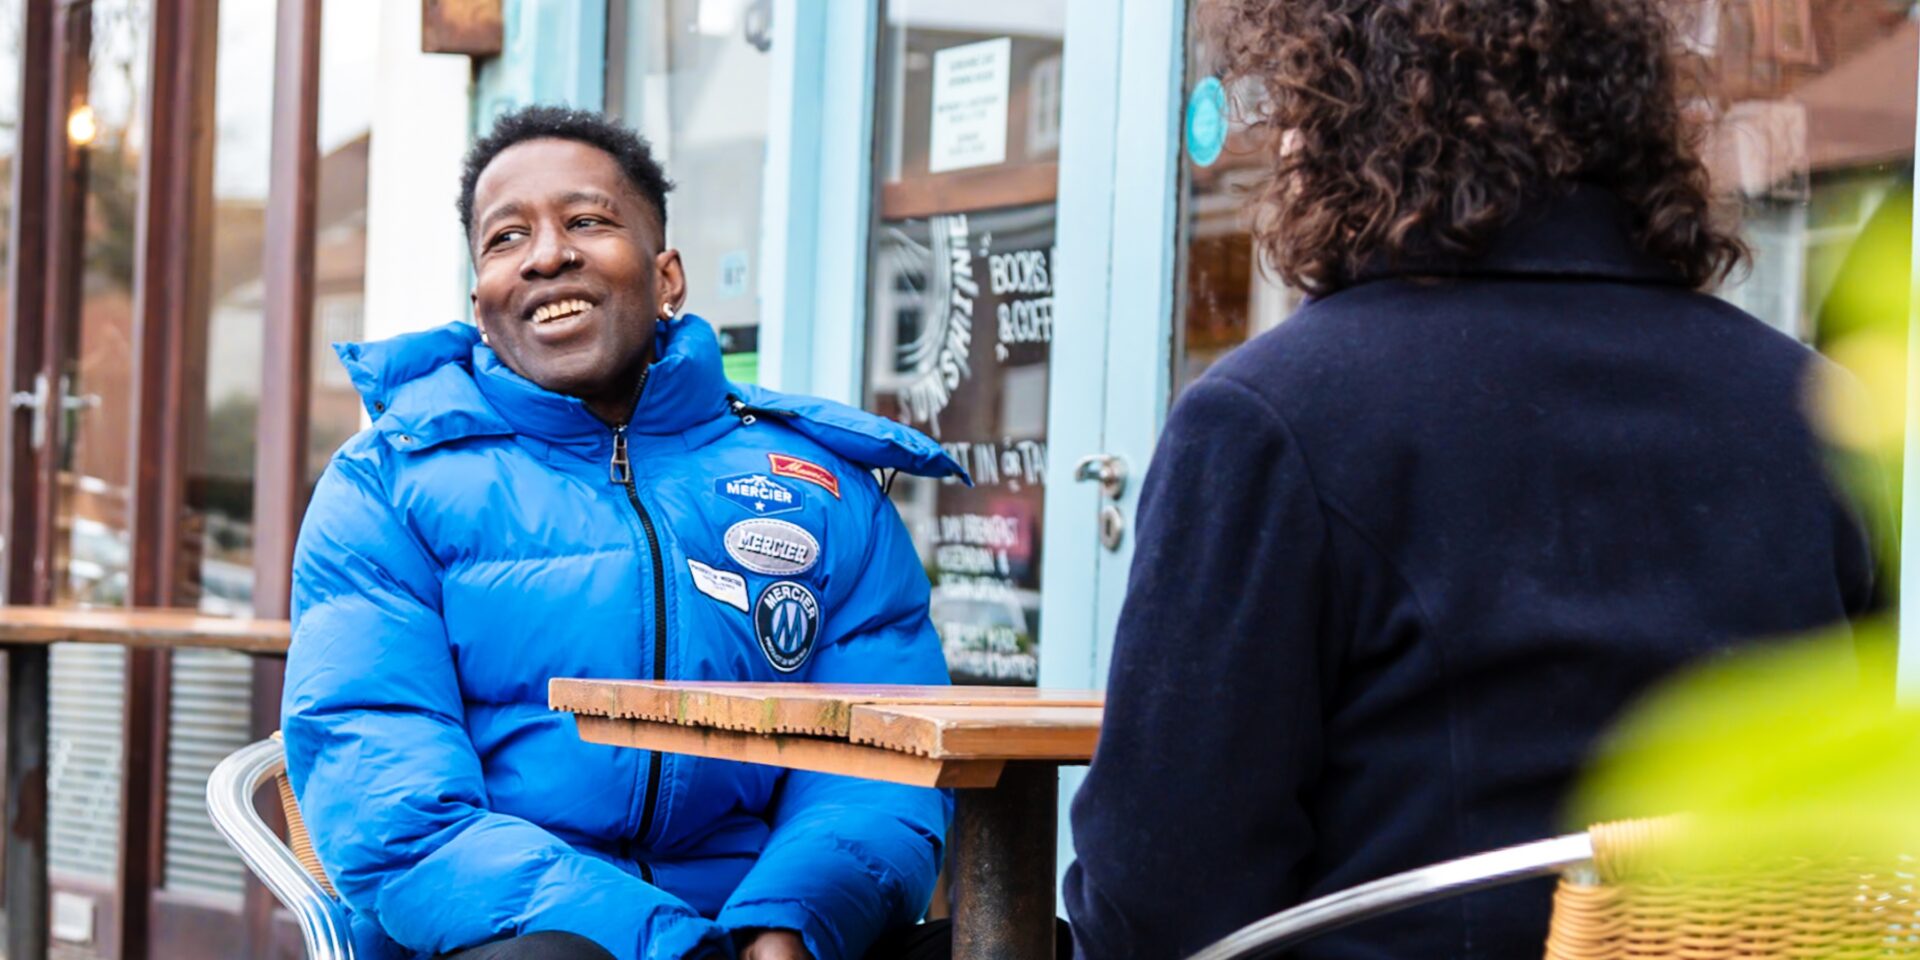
(171, 629)
(929, 736)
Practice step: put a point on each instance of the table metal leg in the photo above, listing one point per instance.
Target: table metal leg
(26, 861)
(1003, 876)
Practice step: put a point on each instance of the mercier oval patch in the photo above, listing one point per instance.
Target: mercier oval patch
(786, 620)
(773, 547)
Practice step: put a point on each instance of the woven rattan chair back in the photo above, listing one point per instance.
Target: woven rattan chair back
(1615, 903)
(1623, 908)
(297, 838)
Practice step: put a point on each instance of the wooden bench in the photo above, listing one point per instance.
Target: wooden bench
(1001, 746)
(25, 634)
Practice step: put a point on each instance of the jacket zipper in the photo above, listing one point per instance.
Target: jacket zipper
(747, 413)
(621, 472)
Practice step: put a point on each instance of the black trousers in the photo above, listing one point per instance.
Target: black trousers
(928, 941)
(535, 946)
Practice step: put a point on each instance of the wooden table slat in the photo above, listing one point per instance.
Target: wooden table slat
(792, 752)
(142, 628)
(780, 708)
(1004, 744)
(1059, 734)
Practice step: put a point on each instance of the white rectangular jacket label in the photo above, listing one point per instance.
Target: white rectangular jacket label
(728, 588)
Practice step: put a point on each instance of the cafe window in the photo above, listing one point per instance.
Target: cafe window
(347, 54)
(10, 54)
(210, 690)
(94, 390)
(1813, 142)
(693, 77)
(960, 310)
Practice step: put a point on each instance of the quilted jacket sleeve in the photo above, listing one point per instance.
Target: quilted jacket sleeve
(848, 858)
(387, 778)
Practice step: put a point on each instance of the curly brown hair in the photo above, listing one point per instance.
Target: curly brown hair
(1417, 127)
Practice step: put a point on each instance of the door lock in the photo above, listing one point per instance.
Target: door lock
(1113, 526)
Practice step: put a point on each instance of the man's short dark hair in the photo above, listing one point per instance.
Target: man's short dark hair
(627, 148)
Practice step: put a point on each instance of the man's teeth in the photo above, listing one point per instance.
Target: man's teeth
(560, 309)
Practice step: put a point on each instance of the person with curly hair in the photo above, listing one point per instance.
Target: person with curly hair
(1401, 559)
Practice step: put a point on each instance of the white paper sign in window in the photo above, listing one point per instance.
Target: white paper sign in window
(970, 105)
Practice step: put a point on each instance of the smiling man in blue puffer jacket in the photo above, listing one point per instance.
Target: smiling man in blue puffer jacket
(573, 489)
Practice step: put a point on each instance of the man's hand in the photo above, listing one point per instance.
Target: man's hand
(775, 945)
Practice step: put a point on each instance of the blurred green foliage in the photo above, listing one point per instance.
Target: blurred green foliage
(1799, 748)
(1862, 326)
(1794, 749)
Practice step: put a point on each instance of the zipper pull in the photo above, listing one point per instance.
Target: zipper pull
(620, 470)
(739, 409)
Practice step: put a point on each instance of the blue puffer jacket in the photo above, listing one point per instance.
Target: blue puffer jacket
(486, 535)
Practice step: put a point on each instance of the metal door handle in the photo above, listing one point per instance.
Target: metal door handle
(35, 401)
(1110, 471)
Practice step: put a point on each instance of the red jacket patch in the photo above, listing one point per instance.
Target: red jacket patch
(785, 466)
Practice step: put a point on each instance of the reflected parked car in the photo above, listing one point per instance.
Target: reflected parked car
(990, 631)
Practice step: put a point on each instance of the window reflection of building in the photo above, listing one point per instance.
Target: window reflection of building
(348, 52)
(1818, 132)
(220, 484)
(1814, 137)
(209, 691)
(694, 76)
(93, 390)
(340, 281)
(10, 51)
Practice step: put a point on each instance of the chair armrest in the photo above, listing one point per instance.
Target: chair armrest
(1264, 938)
(230, 793)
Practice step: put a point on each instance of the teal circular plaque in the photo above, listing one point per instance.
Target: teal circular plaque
(1206, 122)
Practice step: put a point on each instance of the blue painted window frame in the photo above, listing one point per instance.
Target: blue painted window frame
(541, 59)
(818, 203)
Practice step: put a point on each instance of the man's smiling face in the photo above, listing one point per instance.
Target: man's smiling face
(570, 271)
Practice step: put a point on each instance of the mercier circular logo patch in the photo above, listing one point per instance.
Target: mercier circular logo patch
(786, 620)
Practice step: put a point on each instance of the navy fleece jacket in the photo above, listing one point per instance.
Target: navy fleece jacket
(1400, 562)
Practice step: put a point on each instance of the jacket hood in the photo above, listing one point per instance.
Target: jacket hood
(424, 389)
(855, 434)
(418, 387)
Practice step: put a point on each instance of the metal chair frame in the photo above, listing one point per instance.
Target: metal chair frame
(230, 793)
(1268, 937)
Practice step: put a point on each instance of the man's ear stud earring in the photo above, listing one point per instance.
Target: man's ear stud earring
(669, 310)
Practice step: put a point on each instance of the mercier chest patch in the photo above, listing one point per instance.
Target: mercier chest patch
(773, 547)
(786, 620)
(758, 493)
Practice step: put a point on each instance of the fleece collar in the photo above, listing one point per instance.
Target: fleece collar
(1585, 231)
